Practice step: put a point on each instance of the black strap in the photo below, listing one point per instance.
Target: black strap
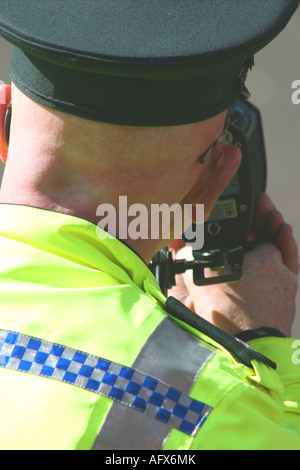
(233, 344)
(7, 123)
(262, 332)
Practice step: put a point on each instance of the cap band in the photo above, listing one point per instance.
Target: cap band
(124, 100)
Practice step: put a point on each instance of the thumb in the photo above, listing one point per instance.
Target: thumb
(180, 291)
(200, 298)
(187, 277)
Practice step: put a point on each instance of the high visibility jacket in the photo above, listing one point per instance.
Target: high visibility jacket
(92, 356)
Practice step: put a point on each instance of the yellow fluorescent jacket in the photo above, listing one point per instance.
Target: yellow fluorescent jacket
(69, 297)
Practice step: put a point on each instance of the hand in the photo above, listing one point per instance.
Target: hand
(265, 297)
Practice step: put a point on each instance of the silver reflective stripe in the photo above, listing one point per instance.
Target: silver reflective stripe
(174, 357)
(146, 405)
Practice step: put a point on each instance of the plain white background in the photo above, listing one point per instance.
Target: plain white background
(270, 82)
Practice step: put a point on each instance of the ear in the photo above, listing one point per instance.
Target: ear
(5, 98)
(218, 170)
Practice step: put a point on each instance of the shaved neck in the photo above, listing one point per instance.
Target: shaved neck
(67, 164)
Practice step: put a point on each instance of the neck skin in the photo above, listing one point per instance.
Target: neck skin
(71, 165)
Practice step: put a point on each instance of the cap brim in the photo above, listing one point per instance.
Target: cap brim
(138, 62)
(144, 38)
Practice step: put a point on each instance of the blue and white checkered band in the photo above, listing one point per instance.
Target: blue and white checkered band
(126, 385)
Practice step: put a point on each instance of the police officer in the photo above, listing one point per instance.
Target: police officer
(122, 98)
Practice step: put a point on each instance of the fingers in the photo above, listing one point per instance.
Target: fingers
(267, 219)
(269, 225)
(263, 207)
(282, 234)
(288, 247)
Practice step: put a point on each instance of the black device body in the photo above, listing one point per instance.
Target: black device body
(229, 223)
